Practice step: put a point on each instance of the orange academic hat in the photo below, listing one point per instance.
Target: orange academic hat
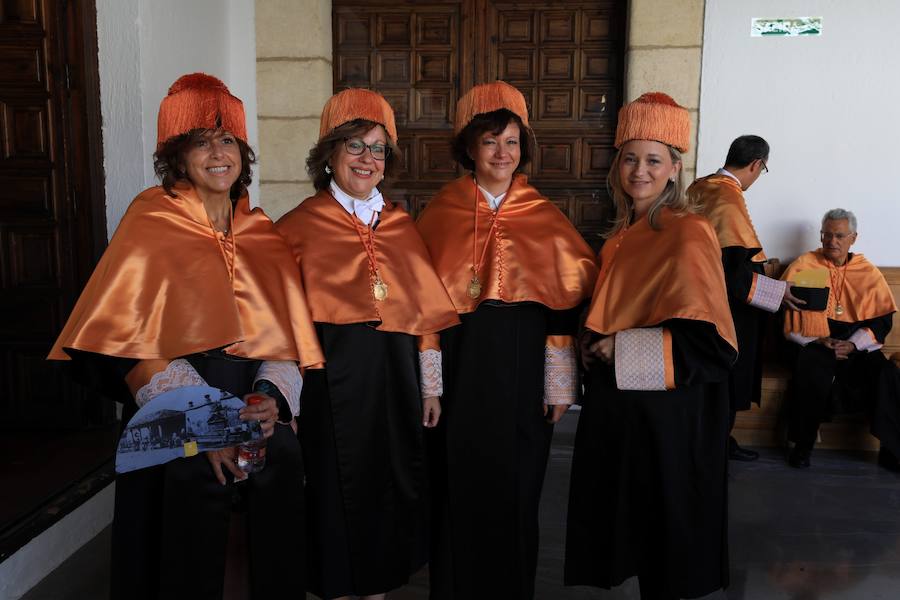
(489, 97)
(357, 103)
(199, 101)
(654, 116)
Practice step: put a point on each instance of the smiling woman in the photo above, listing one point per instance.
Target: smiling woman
(196, 288)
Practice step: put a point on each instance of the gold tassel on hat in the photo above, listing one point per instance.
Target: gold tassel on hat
(487, 98)
(357, 103)
(199, 101)
(654, 116)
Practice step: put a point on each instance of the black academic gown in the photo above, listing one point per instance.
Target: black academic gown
(745, 381)
(489, 451)
(648, 483)
(171, 522)
(361, 431)
(859, 380)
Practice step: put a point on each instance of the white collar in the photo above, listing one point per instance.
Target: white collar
(493, 201)
(363, 209)
(727, 173)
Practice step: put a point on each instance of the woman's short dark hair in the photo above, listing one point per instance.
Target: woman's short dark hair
(168, 162)
(494, 122)
(326, 148)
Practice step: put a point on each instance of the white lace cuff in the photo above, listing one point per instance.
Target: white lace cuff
(864, 340)
(179, 373)
(560, 375)
(766, 293)
(799, 339)
(643, 359)
(432, 382)
(284, 375)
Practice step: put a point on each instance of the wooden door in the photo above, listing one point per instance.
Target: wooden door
(50, 191)
(566, 57)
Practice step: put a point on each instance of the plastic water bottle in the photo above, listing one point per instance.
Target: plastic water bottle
(252, 454)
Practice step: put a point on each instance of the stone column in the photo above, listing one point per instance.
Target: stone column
(664, 51)
(293, 81)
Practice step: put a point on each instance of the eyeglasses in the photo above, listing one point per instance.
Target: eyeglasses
(765, 168)
(827, 235)
(356, 146)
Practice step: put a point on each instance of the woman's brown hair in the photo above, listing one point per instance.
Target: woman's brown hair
(494, 122)
(324, 150)
(168, 162)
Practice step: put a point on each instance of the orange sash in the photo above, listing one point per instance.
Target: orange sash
(534, 254)
(162, 288)
(649, 276)
(336, 272)
(864, 294)
(723, 204)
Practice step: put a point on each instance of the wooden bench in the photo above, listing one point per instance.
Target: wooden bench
(765, 425)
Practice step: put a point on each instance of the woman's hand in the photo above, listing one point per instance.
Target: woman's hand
(605, 349)
(431, 409)
(554, 412)
(265, 411)
(226, 457)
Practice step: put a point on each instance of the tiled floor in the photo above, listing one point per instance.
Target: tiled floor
(831, 532)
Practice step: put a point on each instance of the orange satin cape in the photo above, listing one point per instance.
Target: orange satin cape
(649, 276)
(723, 204)
(162, 288)
(865, 294)
(335, 268)
(534, 254)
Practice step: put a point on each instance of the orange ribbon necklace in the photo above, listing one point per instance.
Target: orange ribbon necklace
(474, 287)
(379, 287)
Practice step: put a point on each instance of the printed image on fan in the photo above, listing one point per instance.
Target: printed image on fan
(182, 423)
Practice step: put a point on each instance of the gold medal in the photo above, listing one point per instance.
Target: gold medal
(839, 310)
(474, 289)
(379, 290)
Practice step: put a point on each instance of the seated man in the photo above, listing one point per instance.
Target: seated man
(841, 345)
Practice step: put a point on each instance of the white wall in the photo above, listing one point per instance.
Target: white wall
(827, 105)
(145, 45)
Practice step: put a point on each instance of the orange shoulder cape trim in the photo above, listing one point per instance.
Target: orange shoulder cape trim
(865, 294)
(162, 288)
(723, 204)
(535, 254)
(648, 276)
(335, 268)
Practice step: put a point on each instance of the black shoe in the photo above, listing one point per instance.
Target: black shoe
(799, 457)
(888, 460)
(735, 452)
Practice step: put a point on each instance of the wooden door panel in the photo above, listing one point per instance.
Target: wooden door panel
(565, 57)
(45, 238)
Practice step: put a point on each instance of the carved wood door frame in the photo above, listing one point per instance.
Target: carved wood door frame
(565, 56)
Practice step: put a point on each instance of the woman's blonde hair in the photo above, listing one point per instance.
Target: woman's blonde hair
(672, 196)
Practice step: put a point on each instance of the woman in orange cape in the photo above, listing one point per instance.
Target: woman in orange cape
(518, 274)
(197, 288)
(371, 290)
(648, 492)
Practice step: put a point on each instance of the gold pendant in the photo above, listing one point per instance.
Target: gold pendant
(379, 290)
(474, 289)
(839, 310)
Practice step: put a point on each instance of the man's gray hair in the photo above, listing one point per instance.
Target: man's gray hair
(837, 214)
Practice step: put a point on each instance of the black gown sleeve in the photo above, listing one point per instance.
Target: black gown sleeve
(880, 327)
(699, 354)
(565, 322)
(739, 271)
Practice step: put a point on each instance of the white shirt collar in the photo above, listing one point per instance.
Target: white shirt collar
(727, 173)
(493, 201)
(363, 209)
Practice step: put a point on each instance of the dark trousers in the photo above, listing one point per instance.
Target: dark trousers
(818, 375)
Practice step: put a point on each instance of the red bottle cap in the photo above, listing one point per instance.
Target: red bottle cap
(254, 399)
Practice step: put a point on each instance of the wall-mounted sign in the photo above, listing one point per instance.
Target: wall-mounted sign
(786, 27)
